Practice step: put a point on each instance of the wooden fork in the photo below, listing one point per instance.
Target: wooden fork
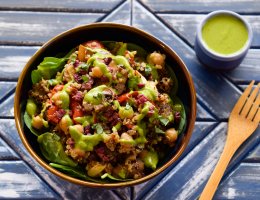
(243, 121)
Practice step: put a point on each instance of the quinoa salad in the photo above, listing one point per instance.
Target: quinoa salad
(106, 111)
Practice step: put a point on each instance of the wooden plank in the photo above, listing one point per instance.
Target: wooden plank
(248, 70)
(254, 155)
(13, 59)
(188, 178)
(65, 5)
(65, 189)
(7, 107)
(18, 181)
(186, 26)
(120, 15)
(200, 131)
(199, 6)
(38, 27)
(6, 153)
(213, 91)
(243, 183)
(6, 88)
(202, 114)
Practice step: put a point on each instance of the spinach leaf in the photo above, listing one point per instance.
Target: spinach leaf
(75, 172)
(183, 121)
(110, 45)
(52, 149)
(109, 176)
(28, 123)
(140, 51)
(49, 67)
(175, 86)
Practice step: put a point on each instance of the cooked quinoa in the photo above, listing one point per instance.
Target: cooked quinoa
(107, 110)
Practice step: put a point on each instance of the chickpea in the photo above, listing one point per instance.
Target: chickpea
(64, 123)
(79, 128)
(56, 99)
(96, 72)
(96, 170)
(69, 72)
(126, 137)
(171, 135)
(37, 122)
(156, 58)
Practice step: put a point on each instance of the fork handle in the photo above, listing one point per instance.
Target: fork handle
(218, 172)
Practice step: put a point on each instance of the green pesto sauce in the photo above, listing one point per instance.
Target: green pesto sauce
(224, 34)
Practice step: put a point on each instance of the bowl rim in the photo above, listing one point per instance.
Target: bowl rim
(219, 56)
(173, 54)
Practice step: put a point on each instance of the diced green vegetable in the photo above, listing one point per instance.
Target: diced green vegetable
(151, 159)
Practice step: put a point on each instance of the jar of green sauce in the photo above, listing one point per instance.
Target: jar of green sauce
(223, 39)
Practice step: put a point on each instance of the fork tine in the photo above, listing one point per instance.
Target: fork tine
(250, 101)
(241, 101)
(254, 108)
(257, 117)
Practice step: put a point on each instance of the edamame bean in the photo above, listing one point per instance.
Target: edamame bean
(31, 107)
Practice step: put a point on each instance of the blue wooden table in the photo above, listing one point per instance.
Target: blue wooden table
(26, 24)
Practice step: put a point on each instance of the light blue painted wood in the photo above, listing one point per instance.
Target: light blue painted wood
(186, 26)
(243, 183)
(254, 155)
(65, 189)
(38, 27)
(201, 130)
(217, 94)
(7, 107)
(6, 153)
(248, 70)
(18, 181)
(13, 60)
(120, 15)
(202, 114)
(5, 88)
(183, 6)
(65, 5)
(188, 178)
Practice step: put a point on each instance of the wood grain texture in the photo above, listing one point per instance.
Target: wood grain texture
(186, 26)
(120, 15)
(248, 70)
(188, 178)
(214, 92)
(254, 155)
(13, 60)
(201, 130)
(6, 88)
(38, 27)
(198, 6)
(7, 107)
(64, 5)
(6, 153)
(243, 183)
(202, 114)
(64, 188)
(18, 181)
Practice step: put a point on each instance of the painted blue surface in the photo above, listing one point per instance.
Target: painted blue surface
(173, 22)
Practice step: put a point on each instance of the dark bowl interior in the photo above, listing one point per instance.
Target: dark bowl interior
(110, 32)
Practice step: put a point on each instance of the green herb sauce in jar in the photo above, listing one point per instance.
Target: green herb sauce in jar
(225, 34)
